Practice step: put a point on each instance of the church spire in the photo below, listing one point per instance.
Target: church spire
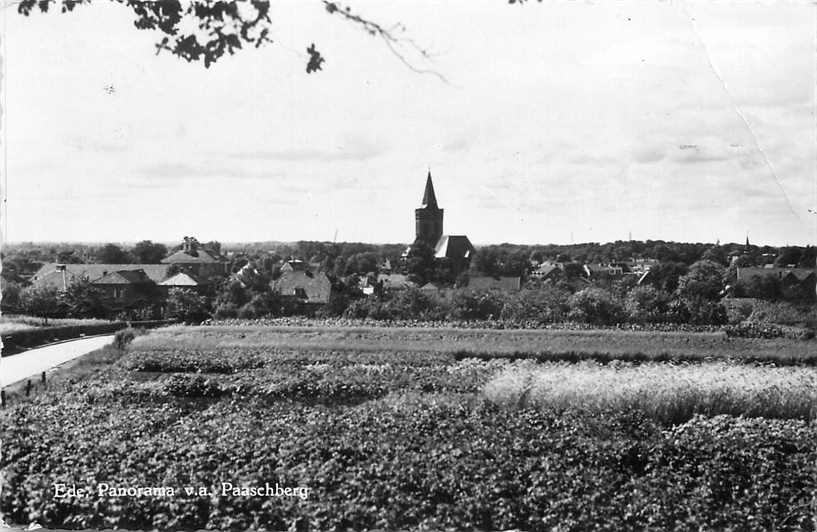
(429, 199)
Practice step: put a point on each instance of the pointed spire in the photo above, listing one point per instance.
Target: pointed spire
(429, 199)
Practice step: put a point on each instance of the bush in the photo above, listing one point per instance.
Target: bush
(225, 311)
(476, 305)
(596, 306)
(413, 304)
(647, 304)
(187, 305)
(783, 313)
(123, 338)
(28, 338)
(545, 305)
(705, 312)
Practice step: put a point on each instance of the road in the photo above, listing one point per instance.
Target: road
(31, 363)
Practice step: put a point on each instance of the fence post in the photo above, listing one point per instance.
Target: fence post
(42, 378)
(2, 398)
(28, 387)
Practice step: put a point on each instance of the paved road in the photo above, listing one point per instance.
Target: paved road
(31, 363)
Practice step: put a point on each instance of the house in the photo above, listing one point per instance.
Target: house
(546, 270)
(125, 287)
(61, 276)
(206, 264)
(511, 284)
(305, 286)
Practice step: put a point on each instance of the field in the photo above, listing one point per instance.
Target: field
(434, 429)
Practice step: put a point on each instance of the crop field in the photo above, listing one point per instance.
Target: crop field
(406, 429)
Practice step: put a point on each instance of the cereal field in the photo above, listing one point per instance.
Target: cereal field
(425, 429)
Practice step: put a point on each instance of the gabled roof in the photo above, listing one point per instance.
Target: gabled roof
(314, 288)
(50, 275)
(495, 283)
(295, 265)
(430, 287)
(124, 277)
(454, 247)
(545, 269)
(202, 256)
(180, 279)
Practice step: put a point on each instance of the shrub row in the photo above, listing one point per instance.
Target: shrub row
(15, 342)
(19, 341)
(742, 330)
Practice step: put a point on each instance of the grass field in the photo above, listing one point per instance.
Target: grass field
(424, 429)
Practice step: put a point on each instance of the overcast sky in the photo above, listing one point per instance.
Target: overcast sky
(560, 122)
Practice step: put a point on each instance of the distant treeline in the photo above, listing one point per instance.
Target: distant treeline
(345, 258)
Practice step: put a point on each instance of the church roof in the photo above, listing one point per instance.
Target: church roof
(429, 199)
(454, 247)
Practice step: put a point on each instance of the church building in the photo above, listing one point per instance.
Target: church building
(428, 219)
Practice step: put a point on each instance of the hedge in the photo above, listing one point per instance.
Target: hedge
(19, 341)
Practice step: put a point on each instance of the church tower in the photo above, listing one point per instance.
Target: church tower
(429, 217)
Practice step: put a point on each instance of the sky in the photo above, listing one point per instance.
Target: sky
(554, 122)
